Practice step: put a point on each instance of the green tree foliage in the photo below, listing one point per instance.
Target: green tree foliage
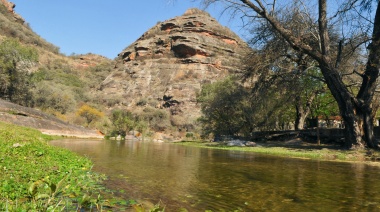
(51, 96)
(325, 106)
(229, 108)
(156, 119)
(122, 121)
(226, 108)
(58, 87)
(15, 62)
(275, 65)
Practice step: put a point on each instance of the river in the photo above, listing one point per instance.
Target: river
(220, 180)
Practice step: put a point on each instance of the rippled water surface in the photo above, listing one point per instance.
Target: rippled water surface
(218, 180)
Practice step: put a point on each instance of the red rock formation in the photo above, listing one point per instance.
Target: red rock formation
(175, 58)
(10, 6)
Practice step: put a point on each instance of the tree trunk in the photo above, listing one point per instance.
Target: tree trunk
(353, 129)
(301, 114)
(356, 113)
(300, 121)
(365, 95)
(359, 129)
(368, 130)
(301, 111)
(352, 116)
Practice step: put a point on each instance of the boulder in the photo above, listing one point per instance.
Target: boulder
(236, 142)
(250, 144)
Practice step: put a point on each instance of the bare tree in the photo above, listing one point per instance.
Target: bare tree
(355, 107)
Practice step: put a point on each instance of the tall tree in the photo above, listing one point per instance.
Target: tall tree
(355, 108)
(225, 110)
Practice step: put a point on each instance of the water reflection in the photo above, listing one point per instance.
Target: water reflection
(199, 179)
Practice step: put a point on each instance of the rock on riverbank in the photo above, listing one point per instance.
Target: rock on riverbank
(47, 124)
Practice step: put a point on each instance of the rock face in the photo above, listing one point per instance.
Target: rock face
(10, 7)
(171, 61)
(28, 117)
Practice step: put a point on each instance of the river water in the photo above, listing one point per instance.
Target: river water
(200, 179)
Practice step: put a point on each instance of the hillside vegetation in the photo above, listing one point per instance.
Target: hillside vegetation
(15, 29)
(35, 74)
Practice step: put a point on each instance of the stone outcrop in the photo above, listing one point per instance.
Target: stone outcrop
(10, 7)
(171, 61)
(47, 124)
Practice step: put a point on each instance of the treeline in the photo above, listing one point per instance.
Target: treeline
(234, 108)
(341, 40)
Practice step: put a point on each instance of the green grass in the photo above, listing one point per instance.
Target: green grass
(38, 177)
(297, 152)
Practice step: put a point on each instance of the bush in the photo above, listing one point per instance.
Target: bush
(142, 102)
(15, 62)
(48, 95)
(122, 122)
(157, 119)
(89, 113)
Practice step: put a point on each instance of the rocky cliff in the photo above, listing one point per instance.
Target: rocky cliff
(10, 7)
(169, 63)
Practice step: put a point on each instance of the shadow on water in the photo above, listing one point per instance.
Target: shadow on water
(206, 179)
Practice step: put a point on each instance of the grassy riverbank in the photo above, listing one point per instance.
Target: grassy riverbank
(38, 177)
(304, 150)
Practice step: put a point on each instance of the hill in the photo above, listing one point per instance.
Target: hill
(156, 78)
(161, 72)
(40, 76)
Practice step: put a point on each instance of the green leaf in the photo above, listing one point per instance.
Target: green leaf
(33, 188)
(42, 196)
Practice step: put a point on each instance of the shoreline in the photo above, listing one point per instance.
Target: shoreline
(304, 150)
(38, 176)
(70, 134)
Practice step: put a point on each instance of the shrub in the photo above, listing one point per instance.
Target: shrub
(15, 61)
(142, 102)
(122, 122)
(48, 95)
(89, 113)
(157, 119)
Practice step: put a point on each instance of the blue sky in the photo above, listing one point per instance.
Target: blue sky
(100, 26)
